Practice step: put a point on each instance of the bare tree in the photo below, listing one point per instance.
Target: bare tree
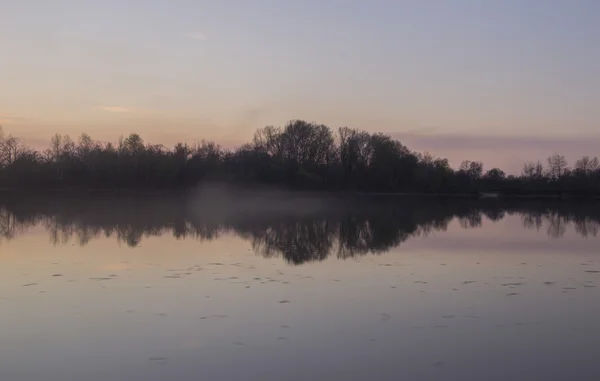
(207, 150)
(11, 149)
(539, 170)
(533, 170)
(121, 145)
(85, 145)
(528, 170)
(61, 152)
(426, 158)
(557, 166)
(354, 149)
(586, 165)
(1, 147)
(269, 140)
(464, 166)
(306, 143)
(53, 153)
(134, 144)
(89, 151)
(495, 174)
(473, 169)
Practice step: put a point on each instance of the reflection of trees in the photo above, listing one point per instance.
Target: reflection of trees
(533, 220)
(297, 241)
(557, 224)
(8, 224)
(472, 220)
(558, 217)
(343, 229)
(586, 227)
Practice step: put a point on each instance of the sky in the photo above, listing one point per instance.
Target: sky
(498, 81)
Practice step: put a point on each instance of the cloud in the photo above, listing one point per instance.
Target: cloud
(199, 36)
(10, 118)
(117, 109)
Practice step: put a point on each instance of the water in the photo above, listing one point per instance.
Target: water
(165, 288)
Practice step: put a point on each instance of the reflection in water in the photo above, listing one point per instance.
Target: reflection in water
(492, 303)
(344, 229)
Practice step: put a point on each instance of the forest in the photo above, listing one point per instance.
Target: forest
(300, 155)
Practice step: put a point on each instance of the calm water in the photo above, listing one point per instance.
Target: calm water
(173, 288)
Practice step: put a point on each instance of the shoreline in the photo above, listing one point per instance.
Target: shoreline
(294, 192)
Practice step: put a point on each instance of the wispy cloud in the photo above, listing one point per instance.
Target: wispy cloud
(199, 36)
(137, 113)
(10, 118)
(118, 109)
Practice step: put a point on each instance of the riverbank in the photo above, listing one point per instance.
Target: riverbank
(253, 190)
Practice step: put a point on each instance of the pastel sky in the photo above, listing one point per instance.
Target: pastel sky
(499, 81)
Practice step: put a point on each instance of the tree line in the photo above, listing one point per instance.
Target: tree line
(299, 155)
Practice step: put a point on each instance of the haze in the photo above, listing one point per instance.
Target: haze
(502, 82)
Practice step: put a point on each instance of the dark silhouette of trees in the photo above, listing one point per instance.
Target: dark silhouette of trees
(300, 155)
(533, 171)
(586, 166)
(557, 166)
(355, 152)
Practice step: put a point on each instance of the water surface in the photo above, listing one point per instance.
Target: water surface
(173, 288)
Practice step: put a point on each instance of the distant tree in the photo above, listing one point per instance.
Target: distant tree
(495, 174)
(472, 169)
(557, 165)
(11, 149)
(426, 159)
(181, 152)
(56, 148)
(442, 164)
(62, 155)
(85, 145)
(586, 165)
(533, 171)
(269, 140)
(475, 170)
(2, 158)
(538, 170)
(528, 170)
(306, 143)
(89, 152)
(355, 153)
(133, 144)
(392, 165)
